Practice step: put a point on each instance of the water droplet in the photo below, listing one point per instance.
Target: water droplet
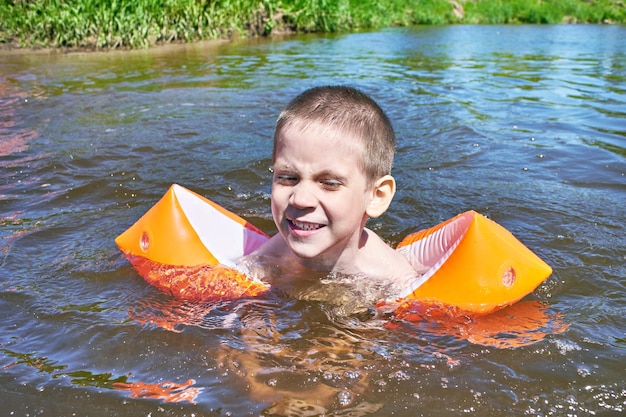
(400, 376)
(583, 371)
(352, 374)
(344, 398)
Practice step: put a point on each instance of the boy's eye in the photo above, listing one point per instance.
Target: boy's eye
(331, 184)
(285, 179)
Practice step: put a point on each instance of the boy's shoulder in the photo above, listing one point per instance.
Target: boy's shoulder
(379, 260)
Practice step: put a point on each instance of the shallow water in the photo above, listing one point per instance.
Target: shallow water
(525, 124)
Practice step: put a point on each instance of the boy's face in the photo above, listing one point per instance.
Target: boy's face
(319, 195)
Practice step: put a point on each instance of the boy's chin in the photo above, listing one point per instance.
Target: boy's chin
(305, 256)
(313, 259)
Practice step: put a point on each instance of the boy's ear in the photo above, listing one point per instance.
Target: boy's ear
(383, 192)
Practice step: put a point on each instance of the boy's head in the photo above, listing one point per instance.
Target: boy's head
(347, 112)
(333, 151)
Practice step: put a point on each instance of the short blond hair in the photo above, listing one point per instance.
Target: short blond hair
(351, 112)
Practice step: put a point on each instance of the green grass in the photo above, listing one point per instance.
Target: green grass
(545, 12)
(142, 23)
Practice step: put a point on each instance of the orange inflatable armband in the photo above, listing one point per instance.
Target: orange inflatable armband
(185, 245)
(471, 263)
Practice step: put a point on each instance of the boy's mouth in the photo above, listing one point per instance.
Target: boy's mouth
(307, 227)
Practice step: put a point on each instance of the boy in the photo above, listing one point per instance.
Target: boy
(332, 158)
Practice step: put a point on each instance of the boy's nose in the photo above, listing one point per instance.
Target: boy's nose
(302, 196)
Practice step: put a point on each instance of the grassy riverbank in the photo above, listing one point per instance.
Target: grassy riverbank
(142, 23)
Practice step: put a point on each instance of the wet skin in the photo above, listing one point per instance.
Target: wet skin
(321, 200)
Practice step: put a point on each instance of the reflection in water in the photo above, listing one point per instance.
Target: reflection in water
(15, 137)
(522, 324)
(168, 392)
(336, 361)
(333, 369)
(40, 363)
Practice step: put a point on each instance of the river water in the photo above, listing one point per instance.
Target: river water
(525, 124)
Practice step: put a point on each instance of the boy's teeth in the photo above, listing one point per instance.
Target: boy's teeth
(306, 226)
